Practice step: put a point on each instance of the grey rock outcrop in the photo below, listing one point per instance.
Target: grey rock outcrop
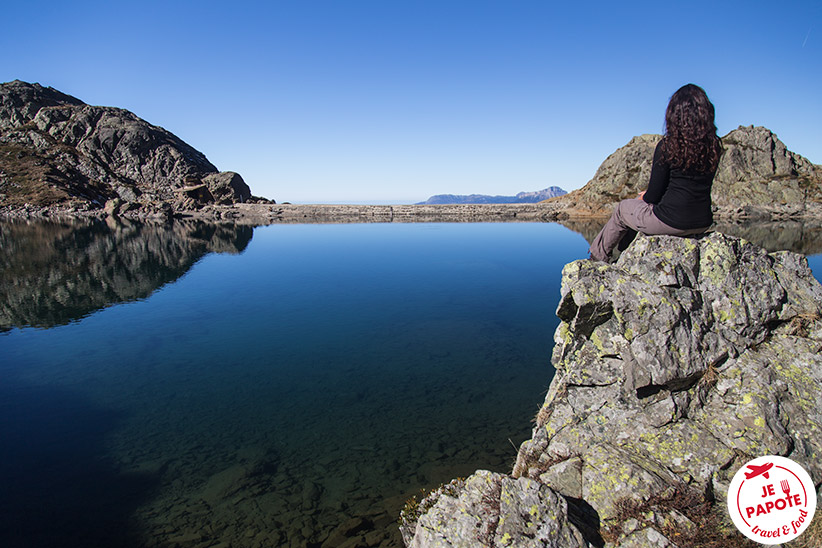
(20, 102)
(674, 366)
(490, 509)
(756, 172)
(56, 149)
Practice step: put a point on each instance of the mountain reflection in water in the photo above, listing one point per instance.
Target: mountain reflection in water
(55, 272)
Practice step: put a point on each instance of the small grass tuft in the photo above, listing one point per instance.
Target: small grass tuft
(706, 383)
(415, 507)
(707, 531)
(799, 325)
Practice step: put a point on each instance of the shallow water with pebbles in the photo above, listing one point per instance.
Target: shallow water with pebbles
(290, 388)
(296, 469)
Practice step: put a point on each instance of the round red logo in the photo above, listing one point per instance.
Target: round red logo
(771, 500)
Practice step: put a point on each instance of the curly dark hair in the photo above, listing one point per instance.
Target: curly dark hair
(690, 142)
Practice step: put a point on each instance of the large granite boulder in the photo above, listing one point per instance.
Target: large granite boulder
(757, 176)
(674, 366)
(55, 149)
(227, 188)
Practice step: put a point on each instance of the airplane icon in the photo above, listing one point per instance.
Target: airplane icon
(757, 470)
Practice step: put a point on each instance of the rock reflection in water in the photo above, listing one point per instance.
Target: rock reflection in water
(798, 236)
(58, 271)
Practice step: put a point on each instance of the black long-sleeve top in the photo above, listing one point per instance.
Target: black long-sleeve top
(681, 199)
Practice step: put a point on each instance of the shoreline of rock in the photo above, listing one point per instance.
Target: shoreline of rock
(265, 213)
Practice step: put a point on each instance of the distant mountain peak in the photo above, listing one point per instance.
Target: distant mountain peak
(520, 198)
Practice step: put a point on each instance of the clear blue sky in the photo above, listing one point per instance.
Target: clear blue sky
(392, 101)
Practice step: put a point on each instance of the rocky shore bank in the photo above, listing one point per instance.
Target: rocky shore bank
(675, 366)
(269, 213)
(263, 214)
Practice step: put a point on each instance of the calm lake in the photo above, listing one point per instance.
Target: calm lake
(201, 385)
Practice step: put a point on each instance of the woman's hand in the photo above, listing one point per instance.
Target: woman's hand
(641, 195)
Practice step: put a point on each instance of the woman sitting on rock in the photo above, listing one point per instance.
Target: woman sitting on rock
(678, 199)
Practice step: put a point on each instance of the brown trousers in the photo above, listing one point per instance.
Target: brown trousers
(635, 214)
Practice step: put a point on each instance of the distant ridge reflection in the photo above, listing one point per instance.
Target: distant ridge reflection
(55, 272)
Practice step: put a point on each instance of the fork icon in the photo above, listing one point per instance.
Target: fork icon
(786, 487)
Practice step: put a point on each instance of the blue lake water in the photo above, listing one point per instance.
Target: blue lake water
(225, 386)
(312, 374)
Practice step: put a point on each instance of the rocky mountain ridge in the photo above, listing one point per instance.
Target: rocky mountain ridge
(55, 150)
(519, 198)
(675, 366)
(757, 175)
